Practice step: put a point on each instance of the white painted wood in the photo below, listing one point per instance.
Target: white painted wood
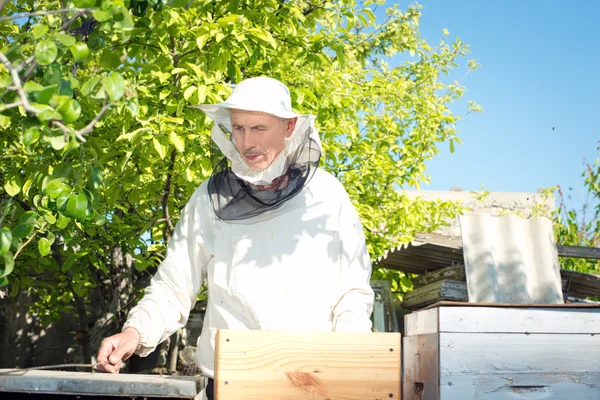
(421, 322)
(85, 383)
(519, 320)
(529, 386)
(477, 353)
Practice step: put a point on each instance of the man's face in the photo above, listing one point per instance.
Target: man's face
(259, 137)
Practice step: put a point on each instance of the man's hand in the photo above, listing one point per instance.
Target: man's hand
(117, 348)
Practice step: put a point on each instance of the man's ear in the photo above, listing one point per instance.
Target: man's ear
(290, 125)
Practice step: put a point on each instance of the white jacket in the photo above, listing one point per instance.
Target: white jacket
(301, 267)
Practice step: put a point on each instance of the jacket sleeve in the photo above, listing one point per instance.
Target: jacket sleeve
(354, 305)
(172, 292)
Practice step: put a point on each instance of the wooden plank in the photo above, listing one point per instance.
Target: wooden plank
(578, 284)
(578, 252)
(87, 383)
(420, 371)
(454, 272)
(518, 320)
(444, 290)
(421, 322)
(481, 353)
(515, 385)
(307, 365)
(510, 305)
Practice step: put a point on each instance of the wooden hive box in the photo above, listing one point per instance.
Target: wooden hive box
(461, 351)
(259, 365)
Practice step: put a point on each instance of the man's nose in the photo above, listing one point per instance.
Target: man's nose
(247, 141)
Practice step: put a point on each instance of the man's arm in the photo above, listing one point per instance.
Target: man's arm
(168, 299)
(352, 311)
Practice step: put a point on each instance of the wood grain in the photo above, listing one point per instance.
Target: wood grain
(307, 365)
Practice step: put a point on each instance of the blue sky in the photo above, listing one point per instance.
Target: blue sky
(539, 70)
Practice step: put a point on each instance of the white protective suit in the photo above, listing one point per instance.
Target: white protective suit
(301, 267)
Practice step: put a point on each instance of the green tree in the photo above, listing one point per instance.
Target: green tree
(100, 151)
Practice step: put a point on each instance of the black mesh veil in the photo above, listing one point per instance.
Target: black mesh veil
(233, 198)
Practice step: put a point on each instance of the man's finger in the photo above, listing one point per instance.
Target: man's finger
(123, 351)
(106, 348)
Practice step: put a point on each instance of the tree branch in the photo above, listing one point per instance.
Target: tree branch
(3, 4)
(17, 86)
(80, 11)
(165, 198)
(28, 241)
(90, 127)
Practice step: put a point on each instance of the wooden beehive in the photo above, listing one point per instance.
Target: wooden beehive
(461, 351)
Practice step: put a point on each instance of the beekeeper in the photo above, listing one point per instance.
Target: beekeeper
(277, 239)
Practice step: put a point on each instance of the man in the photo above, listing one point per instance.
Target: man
(277, 239)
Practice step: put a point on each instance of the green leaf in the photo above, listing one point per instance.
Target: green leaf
(68, 262)
(114, 84)
(263, 35)
(51, 237)
(202, 90)
(96, 178)
(44, 95)
(9, 264)
(62, 221)
(47, 115)
(45, 52)
(5, 240)
(51, 219)
(189, 92)
(31, 135)
(56, 187)
(109, 59)
(61, 200)
(65, 39)
(100, 220)
(22, 230)
(70, 110)
(31, 86)
(201, 41)
(39, 30)
(13, 185)
(87, 87)
(76, 206)
(80, 52)
(177, 141)
(101, 16)
(44, 247)
(28, 217)
(123, 20)
(84, 3)
(160, 149)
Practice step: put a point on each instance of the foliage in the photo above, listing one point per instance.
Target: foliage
(100, 152)
(581, 228)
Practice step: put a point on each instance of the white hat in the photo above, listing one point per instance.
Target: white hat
(270, 96)
(262, 94)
